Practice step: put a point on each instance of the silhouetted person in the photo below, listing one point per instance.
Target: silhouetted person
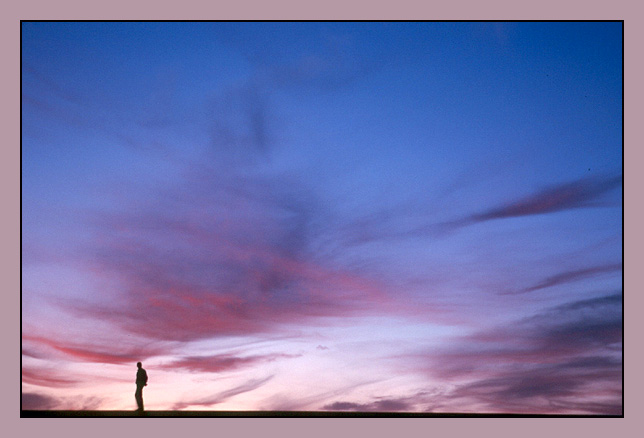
(141, 381)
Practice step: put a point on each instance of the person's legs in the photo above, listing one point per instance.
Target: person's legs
(139, 396)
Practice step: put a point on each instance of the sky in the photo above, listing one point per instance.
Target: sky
(373, 217)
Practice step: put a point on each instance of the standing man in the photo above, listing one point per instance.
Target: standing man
(141, 381)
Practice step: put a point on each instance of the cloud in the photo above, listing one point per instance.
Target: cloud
(31, 353)
(220, 254)
(240, 129)
(567, 196)
(384, 405)
(89, 352)
(561, 388)
(223, 396)
(420, 401)
(571, 276)
(411, 220)
(566, 359)
(222, 362)
(579, 327)
(297, 401)
(38, 401)
(46, 377)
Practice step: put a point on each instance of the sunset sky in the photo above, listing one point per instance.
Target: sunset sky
(421, 217)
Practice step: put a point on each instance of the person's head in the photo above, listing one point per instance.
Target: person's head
(139, 365)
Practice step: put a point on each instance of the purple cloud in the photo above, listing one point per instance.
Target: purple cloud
(569, 355)
(222, 362)
(560, 388)
(572, 195)
(571, 276)
(394, 223)
(220, 254)
(36, 402)
(384, 405)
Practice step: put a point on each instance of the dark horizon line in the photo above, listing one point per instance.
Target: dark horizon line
(29, 413)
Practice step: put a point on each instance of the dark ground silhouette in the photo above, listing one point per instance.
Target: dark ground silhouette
(287, 414)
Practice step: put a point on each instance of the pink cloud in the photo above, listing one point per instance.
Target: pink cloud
(190, 279)
(95, 353)
(45, 377)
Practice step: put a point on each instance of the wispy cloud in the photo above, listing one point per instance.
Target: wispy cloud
(46, 377)
(384, 405)
(38, 401)
(223, 396)
(220, 254)
(424, 400)
(562, 388)
(571, 276)
(222, 362)
(413, 220)
(572, 195)
(569, 355)
(96, 352)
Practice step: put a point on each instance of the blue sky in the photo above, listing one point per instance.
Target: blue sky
(423, 216)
